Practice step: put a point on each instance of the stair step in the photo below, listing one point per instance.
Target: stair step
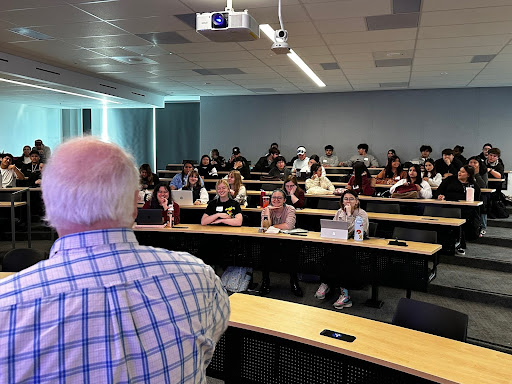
(470, 284)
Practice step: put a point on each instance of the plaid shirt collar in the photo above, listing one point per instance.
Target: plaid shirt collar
(93, 238)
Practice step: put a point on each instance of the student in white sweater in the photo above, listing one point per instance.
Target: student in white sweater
(414, 177)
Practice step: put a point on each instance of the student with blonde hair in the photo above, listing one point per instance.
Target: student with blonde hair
(222, 209)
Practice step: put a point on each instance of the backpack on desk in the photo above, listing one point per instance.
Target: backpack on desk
(236, 279)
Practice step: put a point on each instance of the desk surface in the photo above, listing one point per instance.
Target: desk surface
(428, 356)
(5, 274)
(413, 247)
(7, 204)
(417, 201)
(371, 215)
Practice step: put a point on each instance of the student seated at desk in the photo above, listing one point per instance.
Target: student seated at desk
(481, 179)
(430, 174)
(361, 182)
(9, 172)
(301, 163)
(24, 158)
(329, 160)
(412, 184)
(318, 184)
(236, 188)
(32, 170)
(205, 168)
(222, 209)
(148, 179)
(448, 165)
(180, 179)
(294, 194)
(199, 193)
(342, 271)
(495, 167)
(280, 170)
(314, 159)
(162, 198)
(282, 216)
(362, 156)
(425, 151)
(453, 188)
(217, 160)
(267, 162)
(392, 173)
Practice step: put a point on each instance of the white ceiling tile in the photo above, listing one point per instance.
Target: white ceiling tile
(126, 9)
(439, 5)
(457, 42)
(351, 57)
(201, 47)
(46, 16)
(291, 14)
(314, 51)
(506, 50)
(218, 56)
(372, 47)
(90, 29)
(107, 41)
(461, 30)
(465, 51)
(348, 8)
(448, 67)
(370, 36)
(230, 64)
(354, 24)
(9, 5)
(466, 16)
(503, 57)
(152, 24)
(193, 36)
(442, 60)
(357, 64)
(376, 71)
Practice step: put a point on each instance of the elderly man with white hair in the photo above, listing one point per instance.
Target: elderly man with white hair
(102, 308)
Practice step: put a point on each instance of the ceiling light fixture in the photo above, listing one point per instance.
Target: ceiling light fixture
(269, 31)
(58, 91)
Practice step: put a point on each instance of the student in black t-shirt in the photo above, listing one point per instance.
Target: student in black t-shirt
(222, 209)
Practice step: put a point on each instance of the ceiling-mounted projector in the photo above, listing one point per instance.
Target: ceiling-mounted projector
(227, 25)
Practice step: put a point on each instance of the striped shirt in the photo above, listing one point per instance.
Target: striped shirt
(104, 309)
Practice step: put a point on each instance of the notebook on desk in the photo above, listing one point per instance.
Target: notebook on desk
(333, 229)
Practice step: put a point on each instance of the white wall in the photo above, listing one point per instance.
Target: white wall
(403, 120)
(21, 124)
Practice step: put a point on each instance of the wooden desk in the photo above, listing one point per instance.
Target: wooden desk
(428, 220)
(5, 274)
(273, 327)
(461, 203)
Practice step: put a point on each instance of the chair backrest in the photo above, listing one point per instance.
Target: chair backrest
(419, 235)
(431, 318)
(383, 208)
(372, 229)
(452, 212)
(328, 204)
(21, 258)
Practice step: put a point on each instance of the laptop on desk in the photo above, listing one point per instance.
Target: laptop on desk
(182, 197)
(333, 229)
(149, 217)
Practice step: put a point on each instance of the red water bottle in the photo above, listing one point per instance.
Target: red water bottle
(262, 195)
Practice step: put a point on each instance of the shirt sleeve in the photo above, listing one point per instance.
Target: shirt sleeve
(210, 209)
(236, 205)
(203, 196)
(176, 181)
(290, 217)
(374, 162)
(396, 185)
(302, 199)
(426, 191)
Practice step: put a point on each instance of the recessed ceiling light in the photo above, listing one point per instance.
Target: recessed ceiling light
(443, 73)
(393, 54)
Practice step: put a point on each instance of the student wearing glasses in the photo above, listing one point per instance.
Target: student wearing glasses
(282, 216)
(342, 270)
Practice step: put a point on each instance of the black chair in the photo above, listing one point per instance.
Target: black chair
(419, 235)
(383, 208)
(454, 213)
(372, 229)
(431, 318)
(21, 258)
(328, 204)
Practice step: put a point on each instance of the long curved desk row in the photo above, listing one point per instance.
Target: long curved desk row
(379, 263)
(273, 341)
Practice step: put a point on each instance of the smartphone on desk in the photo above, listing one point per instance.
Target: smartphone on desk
(338, 335)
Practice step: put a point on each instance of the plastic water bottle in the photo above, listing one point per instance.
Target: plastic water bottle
(470, 194)
(170, 215)
(358, 229)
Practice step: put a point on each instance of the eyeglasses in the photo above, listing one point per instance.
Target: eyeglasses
(277, 198)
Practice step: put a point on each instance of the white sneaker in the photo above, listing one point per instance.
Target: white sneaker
(483, 232)
(343, 301)
(322, 290)
(460, 251)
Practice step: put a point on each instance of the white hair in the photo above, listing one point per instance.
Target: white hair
(88, 181)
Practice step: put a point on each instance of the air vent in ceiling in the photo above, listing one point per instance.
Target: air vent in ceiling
(482, 58)
(404, 20)
(329, 66)
(393, 63)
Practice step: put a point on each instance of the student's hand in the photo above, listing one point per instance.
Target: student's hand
(12, 166)
(348, 209)
(222, 215)
(218, 221)
(489, 170)
(447, 175)
(197, 202)
(293, 190)
(426, 179)
(440, 197)
(163, 202)
(348, 187)
(232, 192)
(266, 211)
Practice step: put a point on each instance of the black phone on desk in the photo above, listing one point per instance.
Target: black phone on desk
(338, 335)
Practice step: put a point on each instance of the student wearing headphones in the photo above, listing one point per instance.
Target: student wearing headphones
(282, 216)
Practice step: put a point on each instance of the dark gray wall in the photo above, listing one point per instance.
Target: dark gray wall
(177, 133)
(403, 120)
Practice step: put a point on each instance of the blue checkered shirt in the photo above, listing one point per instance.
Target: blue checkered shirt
(104, 309)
